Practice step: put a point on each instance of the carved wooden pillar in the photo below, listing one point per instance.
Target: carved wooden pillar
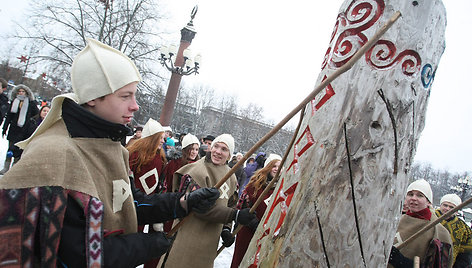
(338, 202)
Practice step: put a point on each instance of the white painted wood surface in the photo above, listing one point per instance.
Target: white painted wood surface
(350, 164)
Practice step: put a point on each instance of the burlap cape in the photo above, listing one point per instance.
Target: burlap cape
(197, 240)
(409, 225)
(88, 165)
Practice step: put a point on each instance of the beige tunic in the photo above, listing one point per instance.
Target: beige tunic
(408, 226)
(97, 167)
(197, 240)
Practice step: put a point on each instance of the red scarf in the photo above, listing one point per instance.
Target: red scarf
(424, 214)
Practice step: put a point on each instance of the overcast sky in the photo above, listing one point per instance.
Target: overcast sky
(270, 53)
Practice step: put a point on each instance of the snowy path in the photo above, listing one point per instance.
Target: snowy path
(3, 150)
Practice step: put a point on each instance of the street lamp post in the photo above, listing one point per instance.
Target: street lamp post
(183, 65)
(463, 185)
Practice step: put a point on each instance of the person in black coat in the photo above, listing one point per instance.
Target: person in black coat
(22, 108)
(4, 103)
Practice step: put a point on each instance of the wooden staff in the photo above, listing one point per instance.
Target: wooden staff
(273, 181)
(302, 104)
(433, 223)
(416, 262)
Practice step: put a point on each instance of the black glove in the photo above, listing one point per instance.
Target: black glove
(245, 218)
(160, 244)
(398, 260)
(463, 260)
(202, 200)
(227, 237)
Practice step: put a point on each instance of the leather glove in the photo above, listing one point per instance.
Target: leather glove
(202, 200)
(160, 244)
(227, 237)
(245, 218)
(398, 260)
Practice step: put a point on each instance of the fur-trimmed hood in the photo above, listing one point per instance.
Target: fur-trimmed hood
(14, 92)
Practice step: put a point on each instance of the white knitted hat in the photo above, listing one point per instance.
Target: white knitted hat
(423, 187)
(272, 157)
(151, 127)
(99, 70)
(226, 139)
(167, 128)
(189, 139)
(451, 198)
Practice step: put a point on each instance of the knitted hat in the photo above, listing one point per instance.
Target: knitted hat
(423, 187)
(451, 198)
(189, 139)
(152, 127)
(226, 139)
(272, 157)
(99, 70)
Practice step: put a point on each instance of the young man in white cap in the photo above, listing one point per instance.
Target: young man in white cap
(70, 202)
(418, 198)
(461, 233)
(199, 236)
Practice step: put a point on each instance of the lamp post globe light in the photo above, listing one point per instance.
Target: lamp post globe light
(463, 185)
(179, 61)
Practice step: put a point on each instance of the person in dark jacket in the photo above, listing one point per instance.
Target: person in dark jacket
(240, 173)
(22, 108)
(36, 120)
(4, 103)
(251, 168)
(76, 206)
(137, 135)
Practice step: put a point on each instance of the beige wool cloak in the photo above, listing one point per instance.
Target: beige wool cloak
(408, 226)
(197, 240)
(95, 166)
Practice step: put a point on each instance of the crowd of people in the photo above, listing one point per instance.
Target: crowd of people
(92, 199)
(20, 117)
(87, 200)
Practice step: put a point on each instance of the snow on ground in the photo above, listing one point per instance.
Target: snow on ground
(3, 150)
(222, 261)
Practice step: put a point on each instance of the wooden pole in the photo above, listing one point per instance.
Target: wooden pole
(302, 104)
(416, 262)
(433, 223)
(273, 181)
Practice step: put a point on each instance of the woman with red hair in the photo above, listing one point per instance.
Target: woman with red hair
(147, 161)
(249, 196)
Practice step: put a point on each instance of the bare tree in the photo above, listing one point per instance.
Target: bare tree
(58, 29)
